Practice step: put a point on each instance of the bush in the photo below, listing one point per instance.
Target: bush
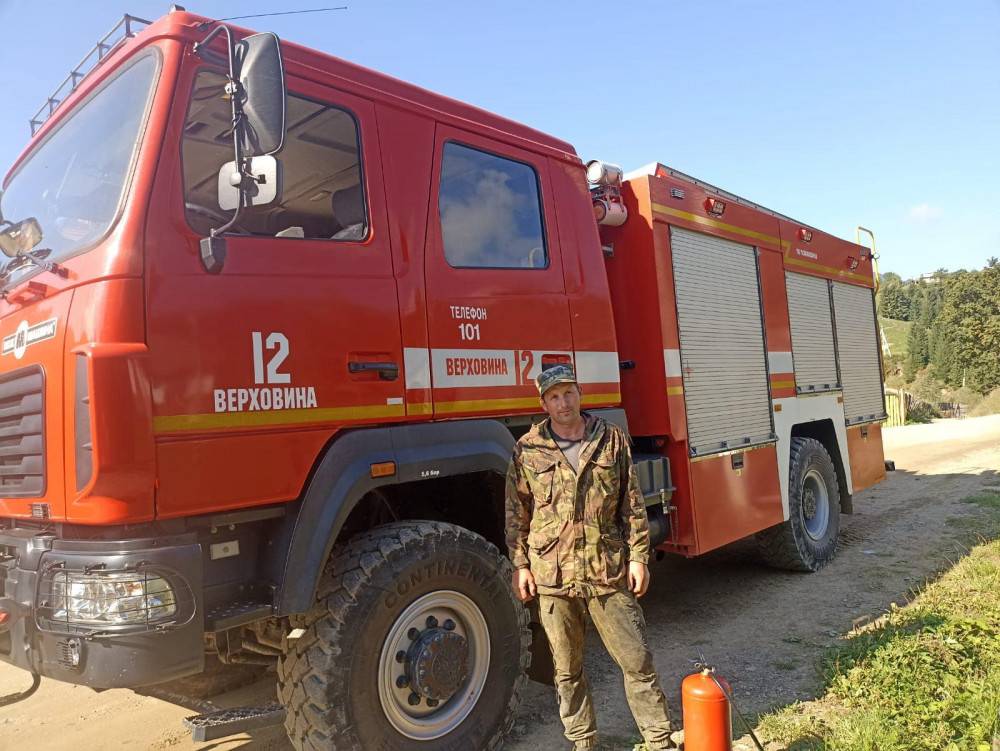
(963, 395)
(990, 405)
(921, 412)
(927, 387)
(895, 381)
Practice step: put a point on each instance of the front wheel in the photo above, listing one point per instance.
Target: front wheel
(416, 642)
(808, 540)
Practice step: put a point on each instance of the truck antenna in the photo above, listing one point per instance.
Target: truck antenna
(283, 13)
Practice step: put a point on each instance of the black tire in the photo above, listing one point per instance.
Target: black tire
(806, 542)
(329, 679)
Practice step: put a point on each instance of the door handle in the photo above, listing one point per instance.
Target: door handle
(387, 371)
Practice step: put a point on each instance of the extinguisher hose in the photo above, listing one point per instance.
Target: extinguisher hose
(9, 699)
(732, 703)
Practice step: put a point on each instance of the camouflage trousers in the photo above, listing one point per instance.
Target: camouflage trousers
(621, 626)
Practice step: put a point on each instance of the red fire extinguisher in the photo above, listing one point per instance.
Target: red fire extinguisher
(708, 725)
(706, 703)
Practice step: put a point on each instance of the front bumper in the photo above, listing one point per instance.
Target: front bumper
(33, 638)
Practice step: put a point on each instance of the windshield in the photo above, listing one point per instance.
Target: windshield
(74, 182)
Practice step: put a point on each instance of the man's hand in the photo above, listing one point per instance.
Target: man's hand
(523, 583)
(638, 578)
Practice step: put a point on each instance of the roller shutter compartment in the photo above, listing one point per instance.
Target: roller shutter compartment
(812, 333)
(857, 353)
(723, 357)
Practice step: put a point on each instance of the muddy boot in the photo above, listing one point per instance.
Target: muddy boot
(676, 742)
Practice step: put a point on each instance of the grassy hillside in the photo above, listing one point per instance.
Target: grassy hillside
(925, 677)
(896, 332)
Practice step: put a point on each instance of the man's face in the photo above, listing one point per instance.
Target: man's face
(562, 403)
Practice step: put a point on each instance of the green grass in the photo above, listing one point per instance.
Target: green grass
(896, 332)
(988, 499)
(926, 677)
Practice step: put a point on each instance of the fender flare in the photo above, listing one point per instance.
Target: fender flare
(343, 477)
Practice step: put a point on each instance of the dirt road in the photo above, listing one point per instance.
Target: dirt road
(764, 629)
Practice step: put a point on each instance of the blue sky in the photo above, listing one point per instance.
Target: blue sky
(885, 114)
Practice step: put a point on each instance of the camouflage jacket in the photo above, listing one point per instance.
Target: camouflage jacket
(576, 532)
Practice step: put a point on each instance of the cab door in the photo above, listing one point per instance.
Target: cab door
(256, 366)
(496, 301)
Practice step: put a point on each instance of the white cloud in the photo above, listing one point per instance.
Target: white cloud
(924, 212)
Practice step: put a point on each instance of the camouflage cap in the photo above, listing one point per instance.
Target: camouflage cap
(551, 376)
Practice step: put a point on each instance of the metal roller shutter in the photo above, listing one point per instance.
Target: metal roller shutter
(857, 352)
(812, 333)
(723, 358)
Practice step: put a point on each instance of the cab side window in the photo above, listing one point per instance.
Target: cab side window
(491, 211)
(322, 194)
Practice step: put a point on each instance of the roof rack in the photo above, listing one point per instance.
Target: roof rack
(123, 30)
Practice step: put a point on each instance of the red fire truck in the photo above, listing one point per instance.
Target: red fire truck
(270, 325)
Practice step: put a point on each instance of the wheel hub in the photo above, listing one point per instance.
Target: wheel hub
(434, 665)
(438, 663)
(815, 504)
(809, 504)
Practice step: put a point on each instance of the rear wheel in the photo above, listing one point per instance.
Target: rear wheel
(416, 643)
(808, 540)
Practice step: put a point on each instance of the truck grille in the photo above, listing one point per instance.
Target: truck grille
(22, 417)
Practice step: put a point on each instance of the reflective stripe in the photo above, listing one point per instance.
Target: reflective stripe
(485, 405)
(473, 367)
(672, 362)
(214, 421)
(591, 399)
(813, 266)
(597, 367)
(417, 366)
(780, 362)
(716, 224)
(497, 405)
(480, 368)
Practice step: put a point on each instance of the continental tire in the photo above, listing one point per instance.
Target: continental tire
(416, 642)
(808, 540)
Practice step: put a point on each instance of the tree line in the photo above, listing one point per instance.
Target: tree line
(955, 332)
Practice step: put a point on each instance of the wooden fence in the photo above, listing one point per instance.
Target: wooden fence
(897, 402)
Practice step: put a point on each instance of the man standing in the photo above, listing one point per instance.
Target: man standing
(578, 537)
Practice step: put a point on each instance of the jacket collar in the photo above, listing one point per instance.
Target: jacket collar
(540, 439)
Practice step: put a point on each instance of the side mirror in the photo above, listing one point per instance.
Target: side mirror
(259, 69)
(262, 187)
(257, 87)
(17, 239)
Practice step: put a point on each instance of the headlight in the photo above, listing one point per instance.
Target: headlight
(111, 599)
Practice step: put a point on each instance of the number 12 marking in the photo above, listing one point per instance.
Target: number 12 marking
(275, 340)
